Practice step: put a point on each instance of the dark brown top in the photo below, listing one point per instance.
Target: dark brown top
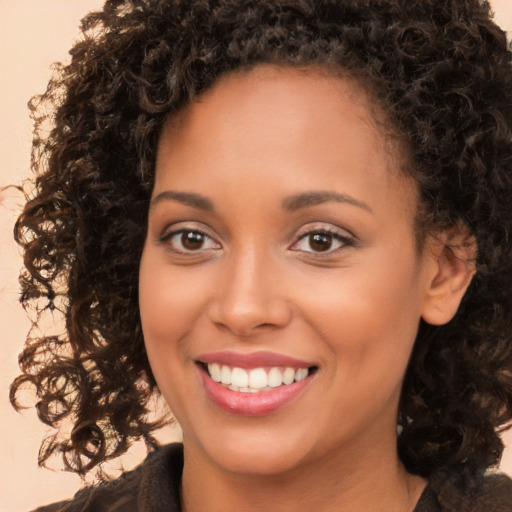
(154, 486)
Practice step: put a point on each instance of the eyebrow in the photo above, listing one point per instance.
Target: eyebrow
(306, 199)
(291, 203)
(187, 198)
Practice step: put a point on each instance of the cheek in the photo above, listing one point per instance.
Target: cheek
(165, 309)
(169, 300)
(161, 318)
(369, 317)
(369, 332)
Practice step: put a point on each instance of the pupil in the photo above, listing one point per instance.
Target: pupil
(192, 240)
(320, 242)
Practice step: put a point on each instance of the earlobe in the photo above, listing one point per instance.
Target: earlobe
(450, 267)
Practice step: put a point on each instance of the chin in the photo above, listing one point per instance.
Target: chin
(258, 463)
(260, 455)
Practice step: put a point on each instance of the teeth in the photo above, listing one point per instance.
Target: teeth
(258, 378)
(239, 378)
(251, 381)
(248, 390)
(215, 373)
(301, 374)
(275, 378)
(288, 376)
(225, 375)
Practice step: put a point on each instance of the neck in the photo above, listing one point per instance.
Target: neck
(345, 481)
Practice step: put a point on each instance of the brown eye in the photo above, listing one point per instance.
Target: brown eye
(189, 241)
(192, 240)
(320, 242)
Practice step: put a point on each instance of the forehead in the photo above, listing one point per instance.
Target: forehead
(270, 118)
(317, 90)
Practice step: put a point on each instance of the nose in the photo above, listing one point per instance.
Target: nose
(251, 296)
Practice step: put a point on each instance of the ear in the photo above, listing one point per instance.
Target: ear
(450, 266)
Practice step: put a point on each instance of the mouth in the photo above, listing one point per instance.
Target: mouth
(253, 385)
(255, 380)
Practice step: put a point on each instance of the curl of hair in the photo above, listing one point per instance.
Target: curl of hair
(441, 71)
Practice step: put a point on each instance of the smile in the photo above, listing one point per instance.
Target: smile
(253, 384)
(257, 379)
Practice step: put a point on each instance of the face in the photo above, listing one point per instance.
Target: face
(280, 284)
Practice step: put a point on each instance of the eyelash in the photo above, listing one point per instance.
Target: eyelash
(167, 237)
(345, 241)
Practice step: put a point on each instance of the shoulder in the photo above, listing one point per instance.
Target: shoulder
(156, 480)
(453, 490)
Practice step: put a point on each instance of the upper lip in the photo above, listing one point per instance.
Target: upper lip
(253, 360)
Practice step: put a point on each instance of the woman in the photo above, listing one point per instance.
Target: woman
(290, 219)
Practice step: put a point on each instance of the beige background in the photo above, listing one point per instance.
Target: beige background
(33, 34)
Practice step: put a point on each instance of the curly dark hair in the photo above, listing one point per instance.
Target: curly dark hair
(442, 73)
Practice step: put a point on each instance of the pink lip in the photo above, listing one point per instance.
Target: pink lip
(255, 360)
(252, 404)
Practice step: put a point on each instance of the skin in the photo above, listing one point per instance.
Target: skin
(248, 145)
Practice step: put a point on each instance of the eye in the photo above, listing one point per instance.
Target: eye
(322, 241)
(189, 241)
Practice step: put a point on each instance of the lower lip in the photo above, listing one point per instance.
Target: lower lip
(252, 404)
